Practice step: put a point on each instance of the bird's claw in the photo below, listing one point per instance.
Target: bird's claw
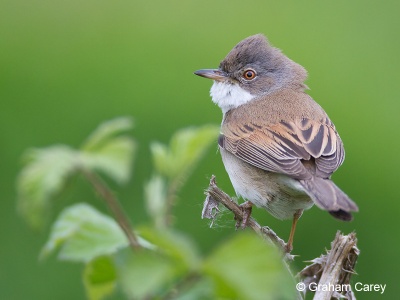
(246, 209)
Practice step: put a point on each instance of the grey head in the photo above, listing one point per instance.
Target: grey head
(256, 68)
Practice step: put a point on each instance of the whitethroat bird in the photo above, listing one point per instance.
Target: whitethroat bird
(279, 147)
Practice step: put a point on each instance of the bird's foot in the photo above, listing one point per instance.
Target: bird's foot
(246, 209)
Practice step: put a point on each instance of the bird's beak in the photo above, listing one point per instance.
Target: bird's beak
(214, 74)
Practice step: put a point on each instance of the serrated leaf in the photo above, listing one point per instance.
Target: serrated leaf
(99, 278)
(245, 267)
(43, 176)
(155, 197)
(114, 159)
(109, 152)
(82, 233)
(46, 170)
(186, 147)
(106, 131)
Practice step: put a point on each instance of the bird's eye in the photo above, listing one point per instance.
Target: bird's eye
(249, 74)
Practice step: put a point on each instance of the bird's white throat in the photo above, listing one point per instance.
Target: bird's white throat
(228, 96)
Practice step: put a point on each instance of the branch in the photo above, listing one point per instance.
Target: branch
(215, 196)
(332, 272)
(104, 192)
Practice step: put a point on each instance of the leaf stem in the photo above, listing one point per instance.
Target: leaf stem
(113, 204)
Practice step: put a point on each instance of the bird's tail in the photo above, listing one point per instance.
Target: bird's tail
(327, 196)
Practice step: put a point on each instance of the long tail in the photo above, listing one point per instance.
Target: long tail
(327, 196)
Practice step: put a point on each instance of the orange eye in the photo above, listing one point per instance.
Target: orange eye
(249, 74)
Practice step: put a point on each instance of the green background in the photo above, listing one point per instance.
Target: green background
(65, 66)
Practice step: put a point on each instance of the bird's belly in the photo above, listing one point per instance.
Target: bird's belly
(279, 194)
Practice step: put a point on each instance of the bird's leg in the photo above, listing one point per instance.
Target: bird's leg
(246, 209)
(296, 217)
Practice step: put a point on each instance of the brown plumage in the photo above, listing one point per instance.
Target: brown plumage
(278, 145)
(301, 143)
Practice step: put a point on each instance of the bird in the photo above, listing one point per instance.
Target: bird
(278, 145)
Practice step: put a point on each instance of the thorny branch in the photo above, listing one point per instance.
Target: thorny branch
(335, 268)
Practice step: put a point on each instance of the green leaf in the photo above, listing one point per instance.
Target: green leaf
(156, 202)
(202, 289)
(105, 132)
(245, 267)
(175, 245)
(161, 158)
(114, 159)
(186, 148)
(109, 152)
(46, 170)
(43, 176)
(82, 233)
(145, 274)
(99, 278)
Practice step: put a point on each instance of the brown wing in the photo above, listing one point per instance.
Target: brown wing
(283, 147)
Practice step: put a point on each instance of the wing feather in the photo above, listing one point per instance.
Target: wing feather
(283, 147)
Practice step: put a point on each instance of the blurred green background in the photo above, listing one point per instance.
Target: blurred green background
(66, 66)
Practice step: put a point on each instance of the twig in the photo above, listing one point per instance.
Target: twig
(215, 195)
(104, 191)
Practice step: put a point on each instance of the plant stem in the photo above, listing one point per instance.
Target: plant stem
(113, 204)
(173, 188)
